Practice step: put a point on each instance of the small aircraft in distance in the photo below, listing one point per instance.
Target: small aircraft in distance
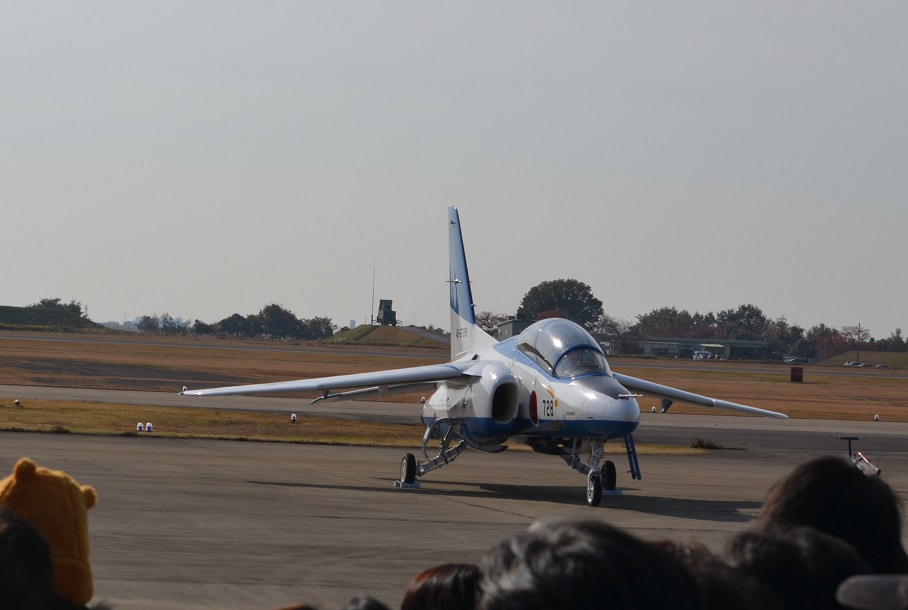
(549, 387)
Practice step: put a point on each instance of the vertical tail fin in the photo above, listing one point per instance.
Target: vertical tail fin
(466, 337)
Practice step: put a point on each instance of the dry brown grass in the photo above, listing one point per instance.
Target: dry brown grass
(140, 362)
(825, 393)
(82, 417)
(151, 363)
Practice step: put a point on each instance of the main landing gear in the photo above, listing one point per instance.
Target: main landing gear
(410, 468)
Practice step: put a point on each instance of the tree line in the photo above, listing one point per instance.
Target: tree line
(271, 322)
(565, 298)
(574, 300)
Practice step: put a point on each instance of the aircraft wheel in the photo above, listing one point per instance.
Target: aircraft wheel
(593, 488)
(609, 476)
(408, 469)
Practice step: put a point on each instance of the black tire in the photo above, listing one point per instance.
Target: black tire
(593, 488)
(408, 469)
(609, 476)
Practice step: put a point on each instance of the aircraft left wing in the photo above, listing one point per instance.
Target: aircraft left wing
(664, 391)
(378, 382)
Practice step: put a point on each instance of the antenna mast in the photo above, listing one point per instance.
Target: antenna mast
(372, 308)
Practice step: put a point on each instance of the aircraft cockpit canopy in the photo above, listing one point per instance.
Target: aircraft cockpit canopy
(563, 348)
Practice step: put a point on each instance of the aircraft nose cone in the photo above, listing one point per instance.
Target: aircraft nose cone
(625, 409)
(617, 417)
(611, 410)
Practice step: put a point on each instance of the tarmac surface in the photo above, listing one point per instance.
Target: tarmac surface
(226, 524)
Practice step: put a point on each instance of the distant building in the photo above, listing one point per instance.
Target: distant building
(680, 347)
(611, 344)
(510, 328)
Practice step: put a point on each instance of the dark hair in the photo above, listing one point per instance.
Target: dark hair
(580, 564)
(364, 602)
(833, 496)
(26, 568)
(449, 586)
(720, 585)
(801, 565)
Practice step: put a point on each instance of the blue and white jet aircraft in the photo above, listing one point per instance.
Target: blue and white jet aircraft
(550, 387)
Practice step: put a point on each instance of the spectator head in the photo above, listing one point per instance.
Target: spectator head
(450, 586)
(833, 496)
(364, 602)
(26, 571)
(801, 565)
(582, 564)
(720, 585)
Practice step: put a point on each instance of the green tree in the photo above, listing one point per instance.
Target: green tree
(745, 322)
(148, 324)
(571, 299)
(170, 326)
(202, 328)
(669, 322)
(275, 321)
(236, 325)
(895, 342)
(317, 328)
(664, 322)
(783, 338)
(607, 325)
(74, 307)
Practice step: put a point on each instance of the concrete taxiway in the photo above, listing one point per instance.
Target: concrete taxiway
(202, 524)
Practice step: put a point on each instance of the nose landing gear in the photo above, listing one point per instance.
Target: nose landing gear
(601, 474)
(593, 488)
(598, 481)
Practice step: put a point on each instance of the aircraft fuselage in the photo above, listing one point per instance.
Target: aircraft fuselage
(510, 394)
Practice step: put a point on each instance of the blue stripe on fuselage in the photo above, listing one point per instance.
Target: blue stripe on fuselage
(575, 428)
(571, 428)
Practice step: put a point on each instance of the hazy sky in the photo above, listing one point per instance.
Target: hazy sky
(209, 158)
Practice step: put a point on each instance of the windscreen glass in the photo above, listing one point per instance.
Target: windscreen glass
(562, 348)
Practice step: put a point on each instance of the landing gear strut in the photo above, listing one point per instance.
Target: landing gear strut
(410, 468)
(601, 475)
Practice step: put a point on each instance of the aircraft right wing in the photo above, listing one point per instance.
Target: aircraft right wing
(664, 391)
(378, 382)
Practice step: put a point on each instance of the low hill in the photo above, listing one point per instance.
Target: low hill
(401, 336)
(893, 360)
(43, 318)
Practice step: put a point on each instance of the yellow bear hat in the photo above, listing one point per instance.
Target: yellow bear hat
(57, 506)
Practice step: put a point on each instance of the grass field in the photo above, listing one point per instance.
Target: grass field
(139, 362)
